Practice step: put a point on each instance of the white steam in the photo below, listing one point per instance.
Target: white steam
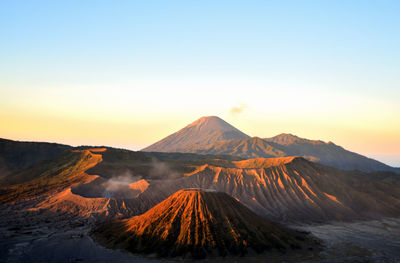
(236, 110)
(118, 186)
(161, 170)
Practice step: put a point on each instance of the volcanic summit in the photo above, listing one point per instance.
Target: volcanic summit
(197, 223)
(199, 133)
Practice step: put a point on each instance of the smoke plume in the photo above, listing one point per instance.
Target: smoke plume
(236, 110)
(118, 186)
(161, 170)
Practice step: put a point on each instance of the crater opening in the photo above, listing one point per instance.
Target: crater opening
(115, 187)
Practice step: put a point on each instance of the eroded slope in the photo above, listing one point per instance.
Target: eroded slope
(200, 222)
(292, 189)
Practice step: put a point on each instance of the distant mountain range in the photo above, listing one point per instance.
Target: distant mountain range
(212, 135)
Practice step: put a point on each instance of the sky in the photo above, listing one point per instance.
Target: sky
(128, 73)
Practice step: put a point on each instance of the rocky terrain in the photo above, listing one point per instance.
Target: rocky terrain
(199, 222)
(291, 189)
(288, 189)
(48, 208)
(29, 236)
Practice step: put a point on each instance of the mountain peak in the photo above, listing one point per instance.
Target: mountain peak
(199, 222)
(201, 132)
(212, 123)
(288, 138)
(285, 138)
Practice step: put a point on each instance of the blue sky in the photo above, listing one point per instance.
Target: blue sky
(97, 41)
(329, 69)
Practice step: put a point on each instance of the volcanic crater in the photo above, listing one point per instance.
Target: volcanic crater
(111, 188)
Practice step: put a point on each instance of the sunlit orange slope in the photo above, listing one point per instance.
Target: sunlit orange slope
(51, 177)
(292, 189)
(200, 222)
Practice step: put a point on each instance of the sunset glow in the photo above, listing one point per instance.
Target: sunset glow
(128, 75)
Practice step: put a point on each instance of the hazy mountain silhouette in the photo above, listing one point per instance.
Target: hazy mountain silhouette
(202, 132)
(212, 135)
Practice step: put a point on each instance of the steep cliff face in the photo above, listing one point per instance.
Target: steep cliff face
(200, 222)
(292, 189)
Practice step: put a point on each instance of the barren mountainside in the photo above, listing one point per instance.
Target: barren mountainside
(63, 186)
(286, 188)
(52, 177)
(87, 182)
(291, 189)
(202, 132)
(247, 148)
(327, 153)
(211, 135)
(200, 222)
(16, 156)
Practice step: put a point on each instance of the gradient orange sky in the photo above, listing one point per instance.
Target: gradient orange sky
(130, 119)
(128, 75)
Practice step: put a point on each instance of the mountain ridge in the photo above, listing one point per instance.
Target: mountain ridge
(284, 144)
(291, 189)
(288, 138)
(285, 188)
(16, 156)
